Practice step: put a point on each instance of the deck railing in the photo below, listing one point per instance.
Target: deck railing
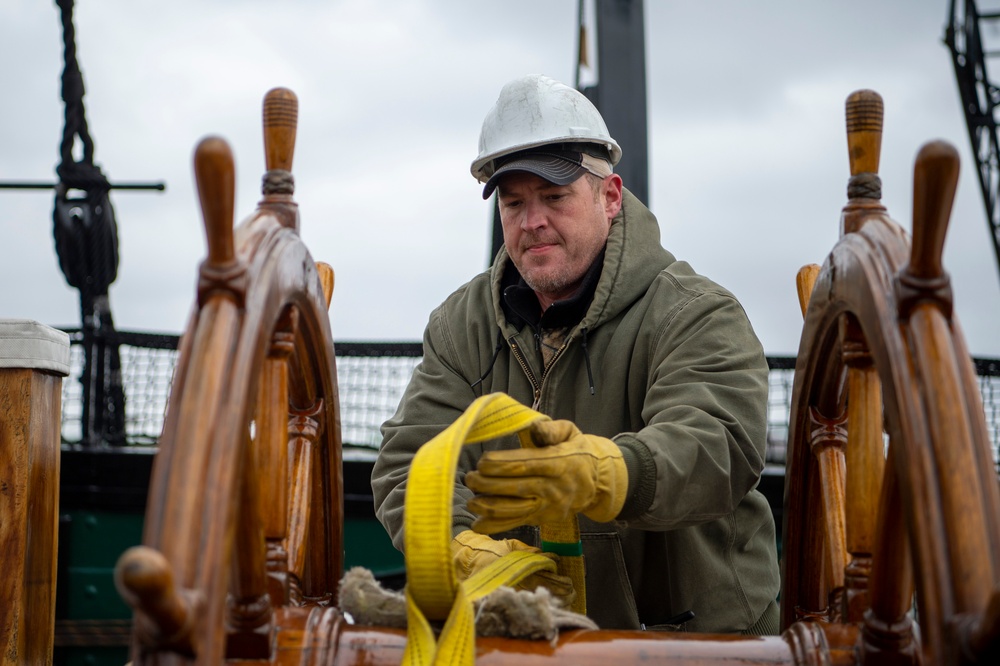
(372, 377)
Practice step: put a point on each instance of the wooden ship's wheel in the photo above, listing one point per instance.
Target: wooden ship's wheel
(891, 502)
(887, 558)
(245, 504)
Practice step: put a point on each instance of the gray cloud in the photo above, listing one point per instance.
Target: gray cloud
(748, 156)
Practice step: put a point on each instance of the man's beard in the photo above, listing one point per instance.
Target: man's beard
(549, 279)
(548, 283)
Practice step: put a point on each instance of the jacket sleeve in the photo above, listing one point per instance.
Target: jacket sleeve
(435, 397)
(705, 414)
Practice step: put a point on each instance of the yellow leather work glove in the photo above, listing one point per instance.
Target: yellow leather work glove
(569, 473)
(471, 552)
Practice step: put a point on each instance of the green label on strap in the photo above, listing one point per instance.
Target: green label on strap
(574, 549)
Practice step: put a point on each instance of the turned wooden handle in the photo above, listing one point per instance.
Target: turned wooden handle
(146, 582)
(281, 117)
(864, 131)
(326, 279)
(935, 179)
(215, 177)
(805, 280)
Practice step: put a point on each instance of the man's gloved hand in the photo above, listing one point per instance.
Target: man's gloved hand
(569, 473)
(471, 552)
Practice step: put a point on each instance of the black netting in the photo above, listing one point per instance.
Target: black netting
(146, 376)
(370, 388)
(779, 400)
(372, 377)
(989, 387)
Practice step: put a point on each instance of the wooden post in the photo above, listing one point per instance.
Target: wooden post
(33, 360)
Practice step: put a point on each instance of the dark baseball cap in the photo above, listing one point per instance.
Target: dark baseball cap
(561, 167)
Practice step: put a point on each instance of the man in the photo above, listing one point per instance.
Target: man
(652, 373)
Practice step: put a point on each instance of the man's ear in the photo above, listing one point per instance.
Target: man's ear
(612, 195)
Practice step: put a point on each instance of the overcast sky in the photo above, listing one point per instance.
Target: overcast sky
(748, 159)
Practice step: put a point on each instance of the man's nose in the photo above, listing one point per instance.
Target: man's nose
(535, 216)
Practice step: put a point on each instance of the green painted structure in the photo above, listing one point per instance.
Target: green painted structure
(102, 510)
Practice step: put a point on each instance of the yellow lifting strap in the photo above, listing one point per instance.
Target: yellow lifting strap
(432, 590)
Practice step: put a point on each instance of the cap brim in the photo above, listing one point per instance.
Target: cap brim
(555, 169)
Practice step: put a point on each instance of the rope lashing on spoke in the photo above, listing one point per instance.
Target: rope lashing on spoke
(433, 592)
(864, 186)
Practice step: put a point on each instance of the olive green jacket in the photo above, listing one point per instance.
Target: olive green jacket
(679, 382)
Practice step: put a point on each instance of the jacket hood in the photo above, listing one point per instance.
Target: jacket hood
(632, 259)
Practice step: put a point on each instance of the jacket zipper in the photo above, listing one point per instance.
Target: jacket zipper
(528, 373)
(531, 376)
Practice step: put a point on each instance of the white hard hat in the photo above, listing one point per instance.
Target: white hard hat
(535, 111)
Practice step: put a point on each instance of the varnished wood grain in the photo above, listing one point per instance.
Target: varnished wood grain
(326, 278)
(805, 280)
(935, 179)
(334, 642)
(828, 440)
(216, 179)
(29, 517)
(863, 111)
(281, 117)
(145, 580)
(865, 468)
